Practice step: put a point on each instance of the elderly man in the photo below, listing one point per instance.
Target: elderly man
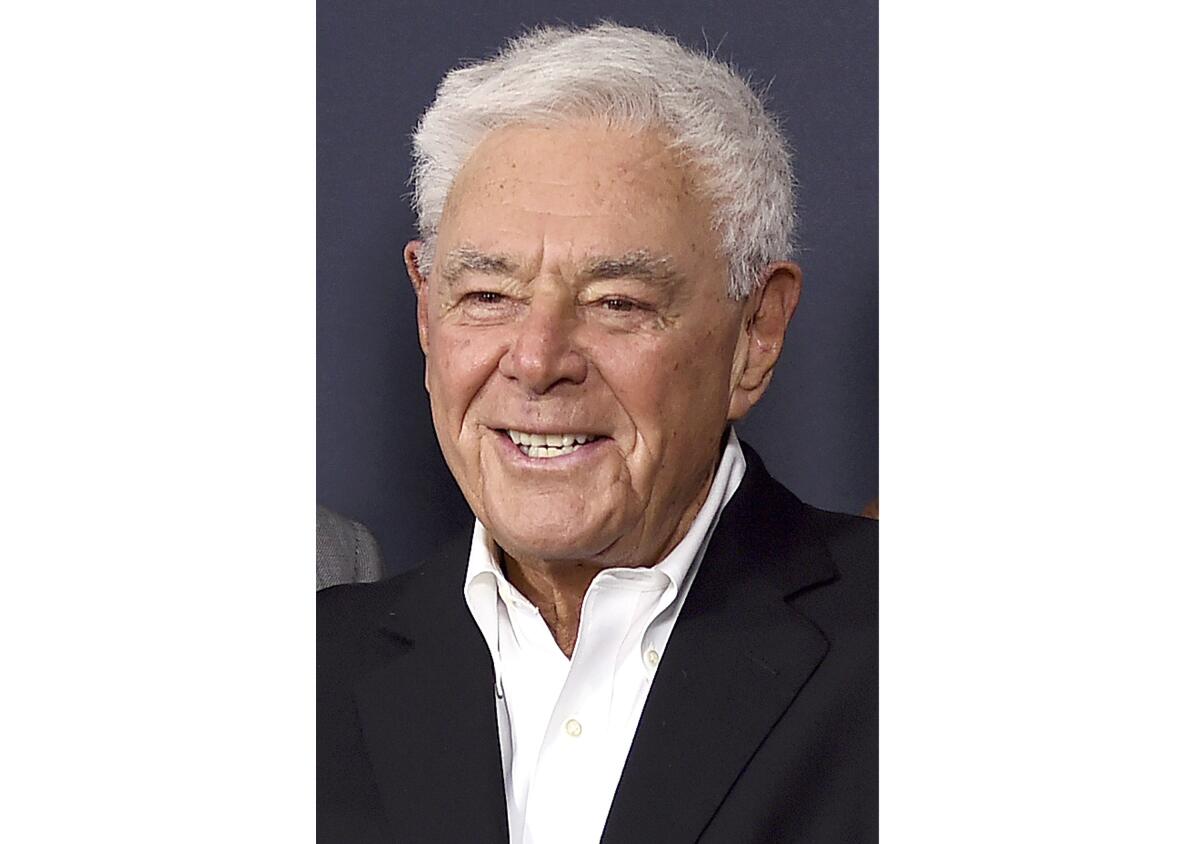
(645, 638)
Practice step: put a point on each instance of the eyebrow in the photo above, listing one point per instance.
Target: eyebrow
(468, 259)
(640, 264)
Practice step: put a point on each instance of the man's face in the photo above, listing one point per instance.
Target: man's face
(578, 292)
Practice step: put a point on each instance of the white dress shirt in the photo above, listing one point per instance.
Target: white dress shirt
(566, 725)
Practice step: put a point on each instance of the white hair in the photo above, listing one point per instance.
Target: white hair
(629, 77)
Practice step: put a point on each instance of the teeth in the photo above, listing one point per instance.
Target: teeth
(548, 445)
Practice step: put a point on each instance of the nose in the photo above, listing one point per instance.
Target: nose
(542, 353)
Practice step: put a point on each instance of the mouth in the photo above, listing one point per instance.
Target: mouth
(548, 446)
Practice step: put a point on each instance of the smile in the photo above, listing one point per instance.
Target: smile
(544, 446)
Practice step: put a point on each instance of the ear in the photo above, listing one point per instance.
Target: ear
(412, 255)
(765, 321)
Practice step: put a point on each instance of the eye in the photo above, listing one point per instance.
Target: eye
(484, 297)
(616, 303)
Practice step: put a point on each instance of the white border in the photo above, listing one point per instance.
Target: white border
(1039, 429)
(158, 348)
(1039, 424)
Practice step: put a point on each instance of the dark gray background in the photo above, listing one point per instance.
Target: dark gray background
(378, 65)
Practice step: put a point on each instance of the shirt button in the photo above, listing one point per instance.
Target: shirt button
(573, 728)
(652, 657)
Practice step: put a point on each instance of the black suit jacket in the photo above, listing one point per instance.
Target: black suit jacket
(760, 726)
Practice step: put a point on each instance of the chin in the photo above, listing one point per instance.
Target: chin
(547, 540)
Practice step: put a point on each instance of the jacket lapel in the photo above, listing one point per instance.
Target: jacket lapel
(429, 717)
(738, 656)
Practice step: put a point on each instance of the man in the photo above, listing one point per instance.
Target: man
(645, 637)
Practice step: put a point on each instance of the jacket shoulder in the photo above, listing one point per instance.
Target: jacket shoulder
(850, 539)
(350, 616)
(346, 610)
(847, 604)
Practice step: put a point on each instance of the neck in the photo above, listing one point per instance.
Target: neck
(556, 588)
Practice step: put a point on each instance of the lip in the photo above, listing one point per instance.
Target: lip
(580, 455)
(544, 429)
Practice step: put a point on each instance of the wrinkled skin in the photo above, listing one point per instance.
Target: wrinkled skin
(577, 287)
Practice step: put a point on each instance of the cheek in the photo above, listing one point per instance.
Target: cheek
(672, 386)
(458, 365)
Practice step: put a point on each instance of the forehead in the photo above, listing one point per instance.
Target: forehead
(601, 188)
